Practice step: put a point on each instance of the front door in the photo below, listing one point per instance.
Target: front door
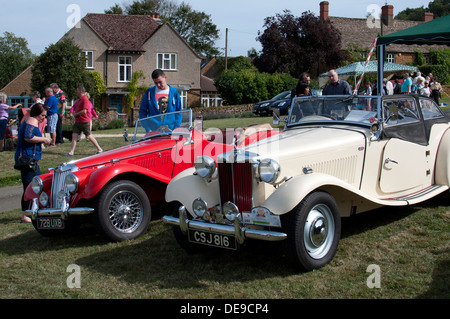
(115, 102)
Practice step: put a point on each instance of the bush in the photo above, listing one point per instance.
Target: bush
(248, 86)
(115, 124)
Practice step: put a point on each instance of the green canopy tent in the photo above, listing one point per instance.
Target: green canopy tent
(433, 32)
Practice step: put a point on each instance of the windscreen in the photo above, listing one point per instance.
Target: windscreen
(162, 124)
(354, 109)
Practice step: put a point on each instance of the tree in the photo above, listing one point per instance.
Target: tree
(439, 8)
(194, 26)
(63, 63)
(14, 57)
(297, 44)
(115, 9)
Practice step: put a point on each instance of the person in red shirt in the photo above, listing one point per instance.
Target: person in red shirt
(82, 115)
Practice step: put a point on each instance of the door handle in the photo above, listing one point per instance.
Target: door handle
(388, 160)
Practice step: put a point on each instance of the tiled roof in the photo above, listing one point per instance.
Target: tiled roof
(207, 84)
(122, 32)
(357, 31)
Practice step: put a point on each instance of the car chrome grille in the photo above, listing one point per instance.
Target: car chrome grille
(58, 184)
(235, 184)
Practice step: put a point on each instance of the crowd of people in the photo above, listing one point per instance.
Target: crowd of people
(45, 116)
(427, 86)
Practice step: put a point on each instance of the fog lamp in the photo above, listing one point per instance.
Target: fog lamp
(230, 210)
(199, 207)
(43, 199)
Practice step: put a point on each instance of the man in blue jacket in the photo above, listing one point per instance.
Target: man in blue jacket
(160, 99)
(52, 113)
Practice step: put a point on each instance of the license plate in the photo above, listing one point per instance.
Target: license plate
(212, 239)
(50, 223)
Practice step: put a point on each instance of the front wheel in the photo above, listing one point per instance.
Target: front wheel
(313, 230)
(122, 211)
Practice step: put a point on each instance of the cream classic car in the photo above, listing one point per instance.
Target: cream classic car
(337, 156)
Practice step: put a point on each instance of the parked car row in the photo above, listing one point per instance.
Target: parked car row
(337, 156)
(281, 102)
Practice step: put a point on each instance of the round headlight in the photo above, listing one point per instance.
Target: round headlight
(268, 170)
(43, 199)
(230, 210)
(199, 207)
(72, 182)
(205, 166)
(37, 185)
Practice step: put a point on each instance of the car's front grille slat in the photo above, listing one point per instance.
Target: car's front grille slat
(235, 184)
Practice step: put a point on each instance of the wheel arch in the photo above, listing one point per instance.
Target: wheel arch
(442, 169)
(154, 187)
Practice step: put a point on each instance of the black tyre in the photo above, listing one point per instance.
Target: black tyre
(122, 211)
(313, 230)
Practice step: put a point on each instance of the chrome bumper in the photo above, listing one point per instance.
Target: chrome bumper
(64, 212)
(241, 233)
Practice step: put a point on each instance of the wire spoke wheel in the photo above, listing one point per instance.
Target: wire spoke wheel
(125, 212)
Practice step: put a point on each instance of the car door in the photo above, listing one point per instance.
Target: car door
(405, 159)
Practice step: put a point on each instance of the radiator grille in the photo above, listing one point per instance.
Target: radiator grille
(235, 184)
(58, 184)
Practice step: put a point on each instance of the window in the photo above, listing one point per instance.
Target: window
(209, 100)
(390, 57)
(183, 96)
(125, 68)
(89, 59)
(430, 110)
(400, 111)
(167, 61)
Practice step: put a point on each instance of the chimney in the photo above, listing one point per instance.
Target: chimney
(387, 15)
(324, 10)
(427, 16)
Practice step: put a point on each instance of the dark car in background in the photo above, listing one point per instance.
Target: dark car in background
(281, 101)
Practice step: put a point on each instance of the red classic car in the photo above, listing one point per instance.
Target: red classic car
(117, 189)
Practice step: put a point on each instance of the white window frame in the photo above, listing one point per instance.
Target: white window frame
(167, 61)
(87, 53)
(183, 96)
(127, 68)
(211, 100)
(390, 57)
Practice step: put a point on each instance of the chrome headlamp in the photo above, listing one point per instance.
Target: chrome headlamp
(37, 185)
(72, 182)
(205, 166)
(199, 207)
(230, 210)
(268, 170)
(43, 199)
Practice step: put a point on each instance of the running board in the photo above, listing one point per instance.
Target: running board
(422, 195)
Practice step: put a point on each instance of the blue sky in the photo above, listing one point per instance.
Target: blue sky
(42, 23)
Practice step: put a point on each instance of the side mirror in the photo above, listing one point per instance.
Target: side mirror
(393, 115)
(276, 116)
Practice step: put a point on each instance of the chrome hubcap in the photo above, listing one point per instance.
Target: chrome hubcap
(125, 212)
(319, 231)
